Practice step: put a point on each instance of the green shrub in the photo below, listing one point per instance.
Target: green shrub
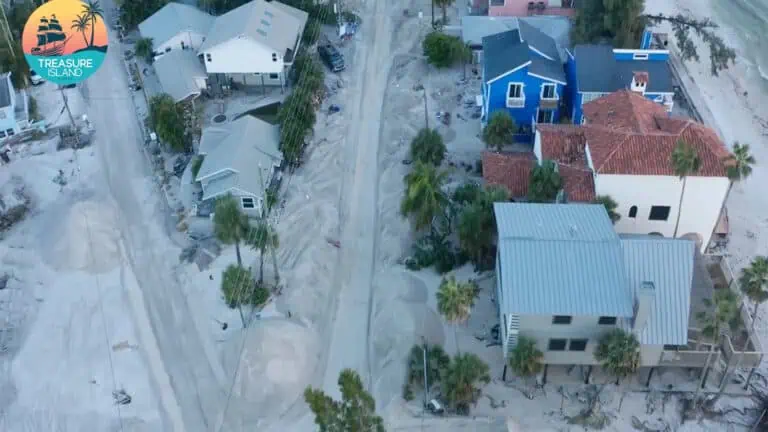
(260, 295)
(197, 162)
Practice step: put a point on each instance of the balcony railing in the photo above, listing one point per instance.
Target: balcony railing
(549, 103)
(515, 102)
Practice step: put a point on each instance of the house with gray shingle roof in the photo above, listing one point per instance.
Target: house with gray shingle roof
(254, 44)
(522, 74)
(181, 74)
(241, 158)
(594, 71)
(564, 277)
(176, 26)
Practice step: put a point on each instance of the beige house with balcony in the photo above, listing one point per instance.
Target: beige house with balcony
(565, 277)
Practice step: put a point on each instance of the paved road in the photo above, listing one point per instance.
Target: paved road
(189, 386)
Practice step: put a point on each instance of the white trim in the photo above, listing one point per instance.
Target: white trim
(546, 79)
(567, 51)
(639, 56)
(507, 98)
(227, 191)
(509, 72)
(540, 53)
(554, 92)
(217, 172)
(632, 51)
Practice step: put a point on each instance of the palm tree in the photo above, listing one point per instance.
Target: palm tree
(81, 24)
(455, 300)
(437, 363)
(721, 314)
(545, 183)
(443, 4)
(230, 224)
(525, 359)
(618, 352)
(428, 147)
(144, 48)
(754, 282)
(264, 238)
(685, 161)
(92, 10)
(424, 197)
(610, 206)
(739, 164)
(477, 224)
(236, 286)
(461, 380)
(500, 130)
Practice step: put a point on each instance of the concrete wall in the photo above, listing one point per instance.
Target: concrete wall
(8, 122)
(702, 202)
(241, 56)
(191, 40)
(257, 79)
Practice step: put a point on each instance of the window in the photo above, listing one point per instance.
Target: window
(269, 14)
(273, 76)
(515, 91)
(549, 91)
(261, 32)
(640, 56)
(557, 344)
(561, 319)
(248, 203)
(183, 46)
(578, 345)
(606, 320)
(207, 57)
(10, 132)
(659, 213)
(265, 22)
(2, 134)
(168, 49)
(274, 57)
(545, 116)
(497, 2)
(583, 120)
(670, 348)
(633, 212)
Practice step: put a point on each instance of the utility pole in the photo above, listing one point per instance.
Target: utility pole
(433, 14)
(71, 121)
(426, 384)
(7, 29)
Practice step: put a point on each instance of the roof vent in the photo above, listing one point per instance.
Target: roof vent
(573, 230)
(639, 82)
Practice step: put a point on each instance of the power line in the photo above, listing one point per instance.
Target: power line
(293, 133)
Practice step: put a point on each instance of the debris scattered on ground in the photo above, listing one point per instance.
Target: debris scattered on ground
(121, 397)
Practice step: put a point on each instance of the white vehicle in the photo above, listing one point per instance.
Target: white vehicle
(35, 78)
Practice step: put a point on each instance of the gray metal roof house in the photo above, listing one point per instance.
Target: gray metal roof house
(241, 158)
(176, 25)
(564, 277)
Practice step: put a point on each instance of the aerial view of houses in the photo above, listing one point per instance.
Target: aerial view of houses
(302, 215)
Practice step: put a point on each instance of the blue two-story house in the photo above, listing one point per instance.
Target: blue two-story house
(594, 71)
(523, 74)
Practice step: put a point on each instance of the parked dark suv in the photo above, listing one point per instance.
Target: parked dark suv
(331, 57)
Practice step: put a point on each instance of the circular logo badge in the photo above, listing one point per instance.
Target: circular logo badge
(65, 41)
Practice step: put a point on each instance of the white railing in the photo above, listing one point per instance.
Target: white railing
(515, 102)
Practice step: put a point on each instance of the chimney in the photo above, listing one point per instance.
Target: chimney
(639, 82)
(643, 305)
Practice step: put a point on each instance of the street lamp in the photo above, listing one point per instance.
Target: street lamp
(426, 388)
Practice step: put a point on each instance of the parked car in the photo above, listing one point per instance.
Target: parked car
(35, 78)
(435, 407)
(331, 57)
(69, 86)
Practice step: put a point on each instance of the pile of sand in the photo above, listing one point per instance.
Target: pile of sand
(277, 362)
(85, 238)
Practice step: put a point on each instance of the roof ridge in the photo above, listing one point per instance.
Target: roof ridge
(569, 239)
(610, 156)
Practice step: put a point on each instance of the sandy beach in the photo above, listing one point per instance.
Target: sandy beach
(735, 104)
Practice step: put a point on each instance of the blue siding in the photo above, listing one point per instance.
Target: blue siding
(531, 88)
(645, 42)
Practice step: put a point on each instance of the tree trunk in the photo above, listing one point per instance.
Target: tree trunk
(262, 251)
(445, 15)
(754, 313)
(679, 208)
(93, 28)
(274, 265)
(242, 316)
(237, 251)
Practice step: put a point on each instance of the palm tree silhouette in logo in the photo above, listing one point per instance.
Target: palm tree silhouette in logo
(91, 10)
(81, 24)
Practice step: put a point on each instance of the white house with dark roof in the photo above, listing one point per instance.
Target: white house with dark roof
(14, 108)
(564, 277)
(254, 44)
(176, 26)
(240, 158)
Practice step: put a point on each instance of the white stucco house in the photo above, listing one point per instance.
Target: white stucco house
(241, 158)
(14, 108)
(176, 26)
(624, 150)
(254, 44)
(564, 277)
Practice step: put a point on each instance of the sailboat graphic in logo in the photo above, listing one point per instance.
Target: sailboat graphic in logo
(65, 41)
(51, 39)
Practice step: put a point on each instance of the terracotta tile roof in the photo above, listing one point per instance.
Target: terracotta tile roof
(630, 134)
(511, 170)
(578, 183)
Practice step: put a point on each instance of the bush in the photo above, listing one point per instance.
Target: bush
(443, 51)
(428, 147)
(407, 392)
(500, 130)
(311, 32)
(436, 250)
(260, 295)
(34, 113)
